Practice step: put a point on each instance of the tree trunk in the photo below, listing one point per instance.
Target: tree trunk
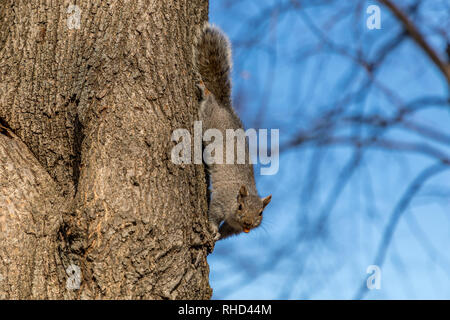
(87, 187)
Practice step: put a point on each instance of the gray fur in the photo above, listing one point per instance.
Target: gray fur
(234, 198)
(213, 62)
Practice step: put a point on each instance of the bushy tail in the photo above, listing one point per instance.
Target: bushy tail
(213, 62)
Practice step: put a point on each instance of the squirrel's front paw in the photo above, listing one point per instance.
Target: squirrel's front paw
(204, 92)
(215, 231)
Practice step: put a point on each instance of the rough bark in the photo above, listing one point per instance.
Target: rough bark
(85, 173)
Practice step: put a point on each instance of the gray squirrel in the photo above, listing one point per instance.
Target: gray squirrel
(234, 199)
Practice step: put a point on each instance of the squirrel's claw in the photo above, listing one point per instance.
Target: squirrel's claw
(204, 92)
(215, 231)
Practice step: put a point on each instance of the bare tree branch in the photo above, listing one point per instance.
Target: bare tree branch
(400, 208)
(417, 36)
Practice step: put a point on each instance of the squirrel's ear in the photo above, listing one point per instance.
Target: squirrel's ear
(266, 201)
(243, 192)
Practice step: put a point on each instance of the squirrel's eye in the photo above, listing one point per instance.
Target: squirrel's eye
(240, 207)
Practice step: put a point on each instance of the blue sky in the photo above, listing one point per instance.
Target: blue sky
(280, 68)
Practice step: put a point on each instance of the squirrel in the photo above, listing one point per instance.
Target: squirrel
(234, 206)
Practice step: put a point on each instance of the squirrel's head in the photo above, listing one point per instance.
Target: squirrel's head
(250, 209)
